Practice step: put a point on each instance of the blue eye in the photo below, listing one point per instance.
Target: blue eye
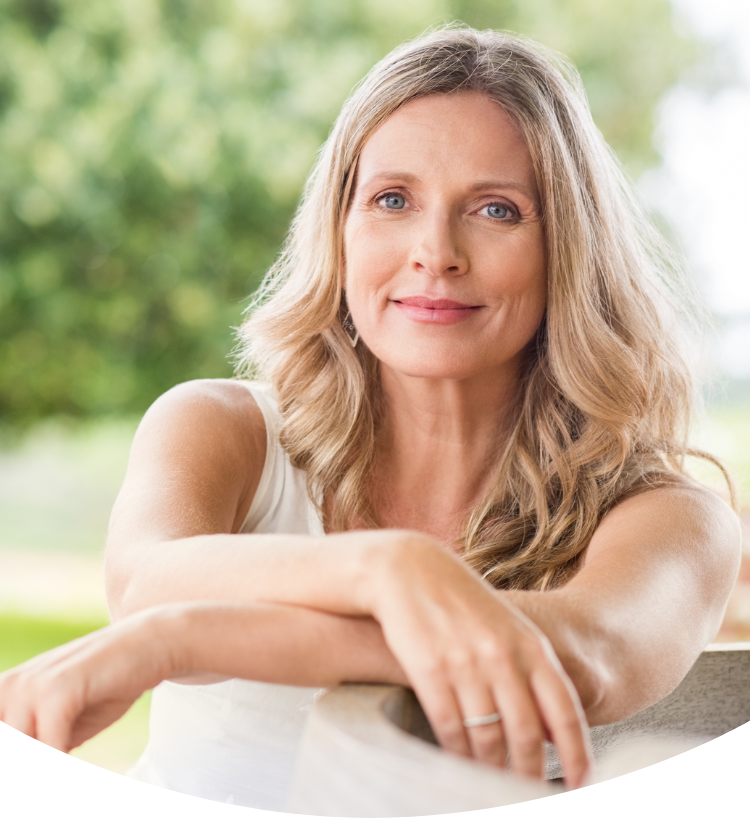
(393, 201)
(497, 211)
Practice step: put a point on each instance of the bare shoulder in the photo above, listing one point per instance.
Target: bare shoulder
(684, 522)
(208, 396)
(209, 409)
(685, 504)
(195, 464)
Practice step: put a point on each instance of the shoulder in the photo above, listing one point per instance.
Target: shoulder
(195, 464)
(207, 394)
(211, 424)
(215, 407)
(678, 499)
(681, 520)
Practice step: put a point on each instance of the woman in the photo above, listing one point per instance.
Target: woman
(466, 474)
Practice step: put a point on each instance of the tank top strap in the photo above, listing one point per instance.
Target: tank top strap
(281, 503)
(272, 477)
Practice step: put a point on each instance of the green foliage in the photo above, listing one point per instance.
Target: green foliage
(22, 637)
(153, 153)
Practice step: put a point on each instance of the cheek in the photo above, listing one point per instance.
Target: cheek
(538, 286)
(517, 282)
(534, 299)
(515, 271)
(371, 259)
(541, 288)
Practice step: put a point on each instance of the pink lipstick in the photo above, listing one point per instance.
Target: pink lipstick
(434, 310)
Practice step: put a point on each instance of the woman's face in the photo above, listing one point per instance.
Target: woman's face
(445, 269)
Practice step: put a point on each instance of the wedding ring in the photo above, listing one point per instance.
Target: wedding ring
(479, 721)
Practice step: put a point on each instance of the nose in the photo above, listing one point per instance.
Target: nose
(437, 250)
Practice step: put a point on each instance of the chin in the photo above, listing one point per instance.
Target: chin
(434, 366)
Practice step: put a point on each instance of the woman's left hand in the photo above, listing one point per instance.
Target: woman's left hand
(67, 695)
(469, 654)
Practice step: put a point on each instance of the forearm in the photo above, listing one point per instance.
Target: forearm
(618, 657)
(576, 642)
(649, 596)
(274, 643)
(326, 573)
(92, 681)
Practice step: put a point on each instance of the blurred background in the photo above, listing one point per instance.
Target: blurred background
(151, 156)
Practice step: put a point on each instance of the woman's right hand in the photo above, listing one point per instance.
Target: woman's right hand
(468, 653)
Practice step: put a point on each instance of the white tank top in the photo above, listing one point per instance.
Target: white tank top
(236, 741)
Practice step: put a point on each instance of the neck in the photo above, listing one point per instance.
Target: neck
(436, 446)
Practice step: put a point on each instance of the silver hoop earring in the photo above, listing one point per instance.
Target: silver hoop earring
(349, 327)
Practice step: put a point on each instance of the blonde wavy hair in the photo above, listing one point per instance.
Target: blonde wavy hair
(604, 403)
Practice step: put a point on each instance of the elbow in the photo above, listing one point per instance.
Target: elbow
(626, 682)
(587, 658)
(123, 599)
(613, 680)
(118, 607)
(117, 602)
(115, 591)
(592, 680)
(119, 590)
(130, 583)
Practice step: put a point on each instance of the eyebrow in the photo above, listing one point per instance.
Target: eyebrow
(484, 184)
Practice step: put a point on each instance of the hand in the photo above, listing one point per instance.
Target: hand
(469, 653)
(69, 694)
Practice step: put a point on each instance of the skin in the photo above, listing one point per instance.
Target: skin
(446, 385)
(190, 596)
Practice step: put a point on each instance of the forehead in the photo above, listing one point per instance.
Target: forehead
(465, 135)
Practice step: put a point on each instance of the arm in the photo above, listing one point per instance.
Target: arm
(195, 464)
(264, 642)
(466, 649)
(650, 595)
(69, 694)
(194, 469)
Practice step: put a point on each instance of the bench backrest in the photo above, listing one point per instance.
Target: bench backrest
(369, 751)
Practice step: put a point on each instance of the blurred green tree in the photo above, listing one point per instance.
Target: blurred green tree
(153, 153)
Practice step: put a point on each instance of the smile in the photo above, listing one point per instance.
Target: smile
(434, 311)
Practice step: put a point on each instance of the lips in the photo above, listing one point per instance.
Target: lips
(434, 310)
(433, 303)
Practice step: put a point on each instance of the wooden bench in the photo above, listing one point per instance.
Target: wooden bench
(369, 751)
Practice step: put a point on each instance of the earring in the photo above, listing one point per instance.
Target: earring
(349, 327)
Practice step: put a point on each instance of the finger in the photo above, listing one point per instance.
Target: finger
(522, 725)
(562, 713)
(486, 741)
(488, 744)
(21, 718)
(53, 723)
(442, 709)
(96, 718)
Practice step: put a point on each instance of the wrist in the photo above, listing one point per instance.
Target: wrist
(389, 558)
(165, 632)
(371, 562)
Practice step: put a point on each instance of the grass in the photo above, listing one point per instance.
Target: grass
(23, 636)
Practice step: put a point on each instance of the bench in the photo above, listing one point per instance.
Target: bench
(369, 751)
